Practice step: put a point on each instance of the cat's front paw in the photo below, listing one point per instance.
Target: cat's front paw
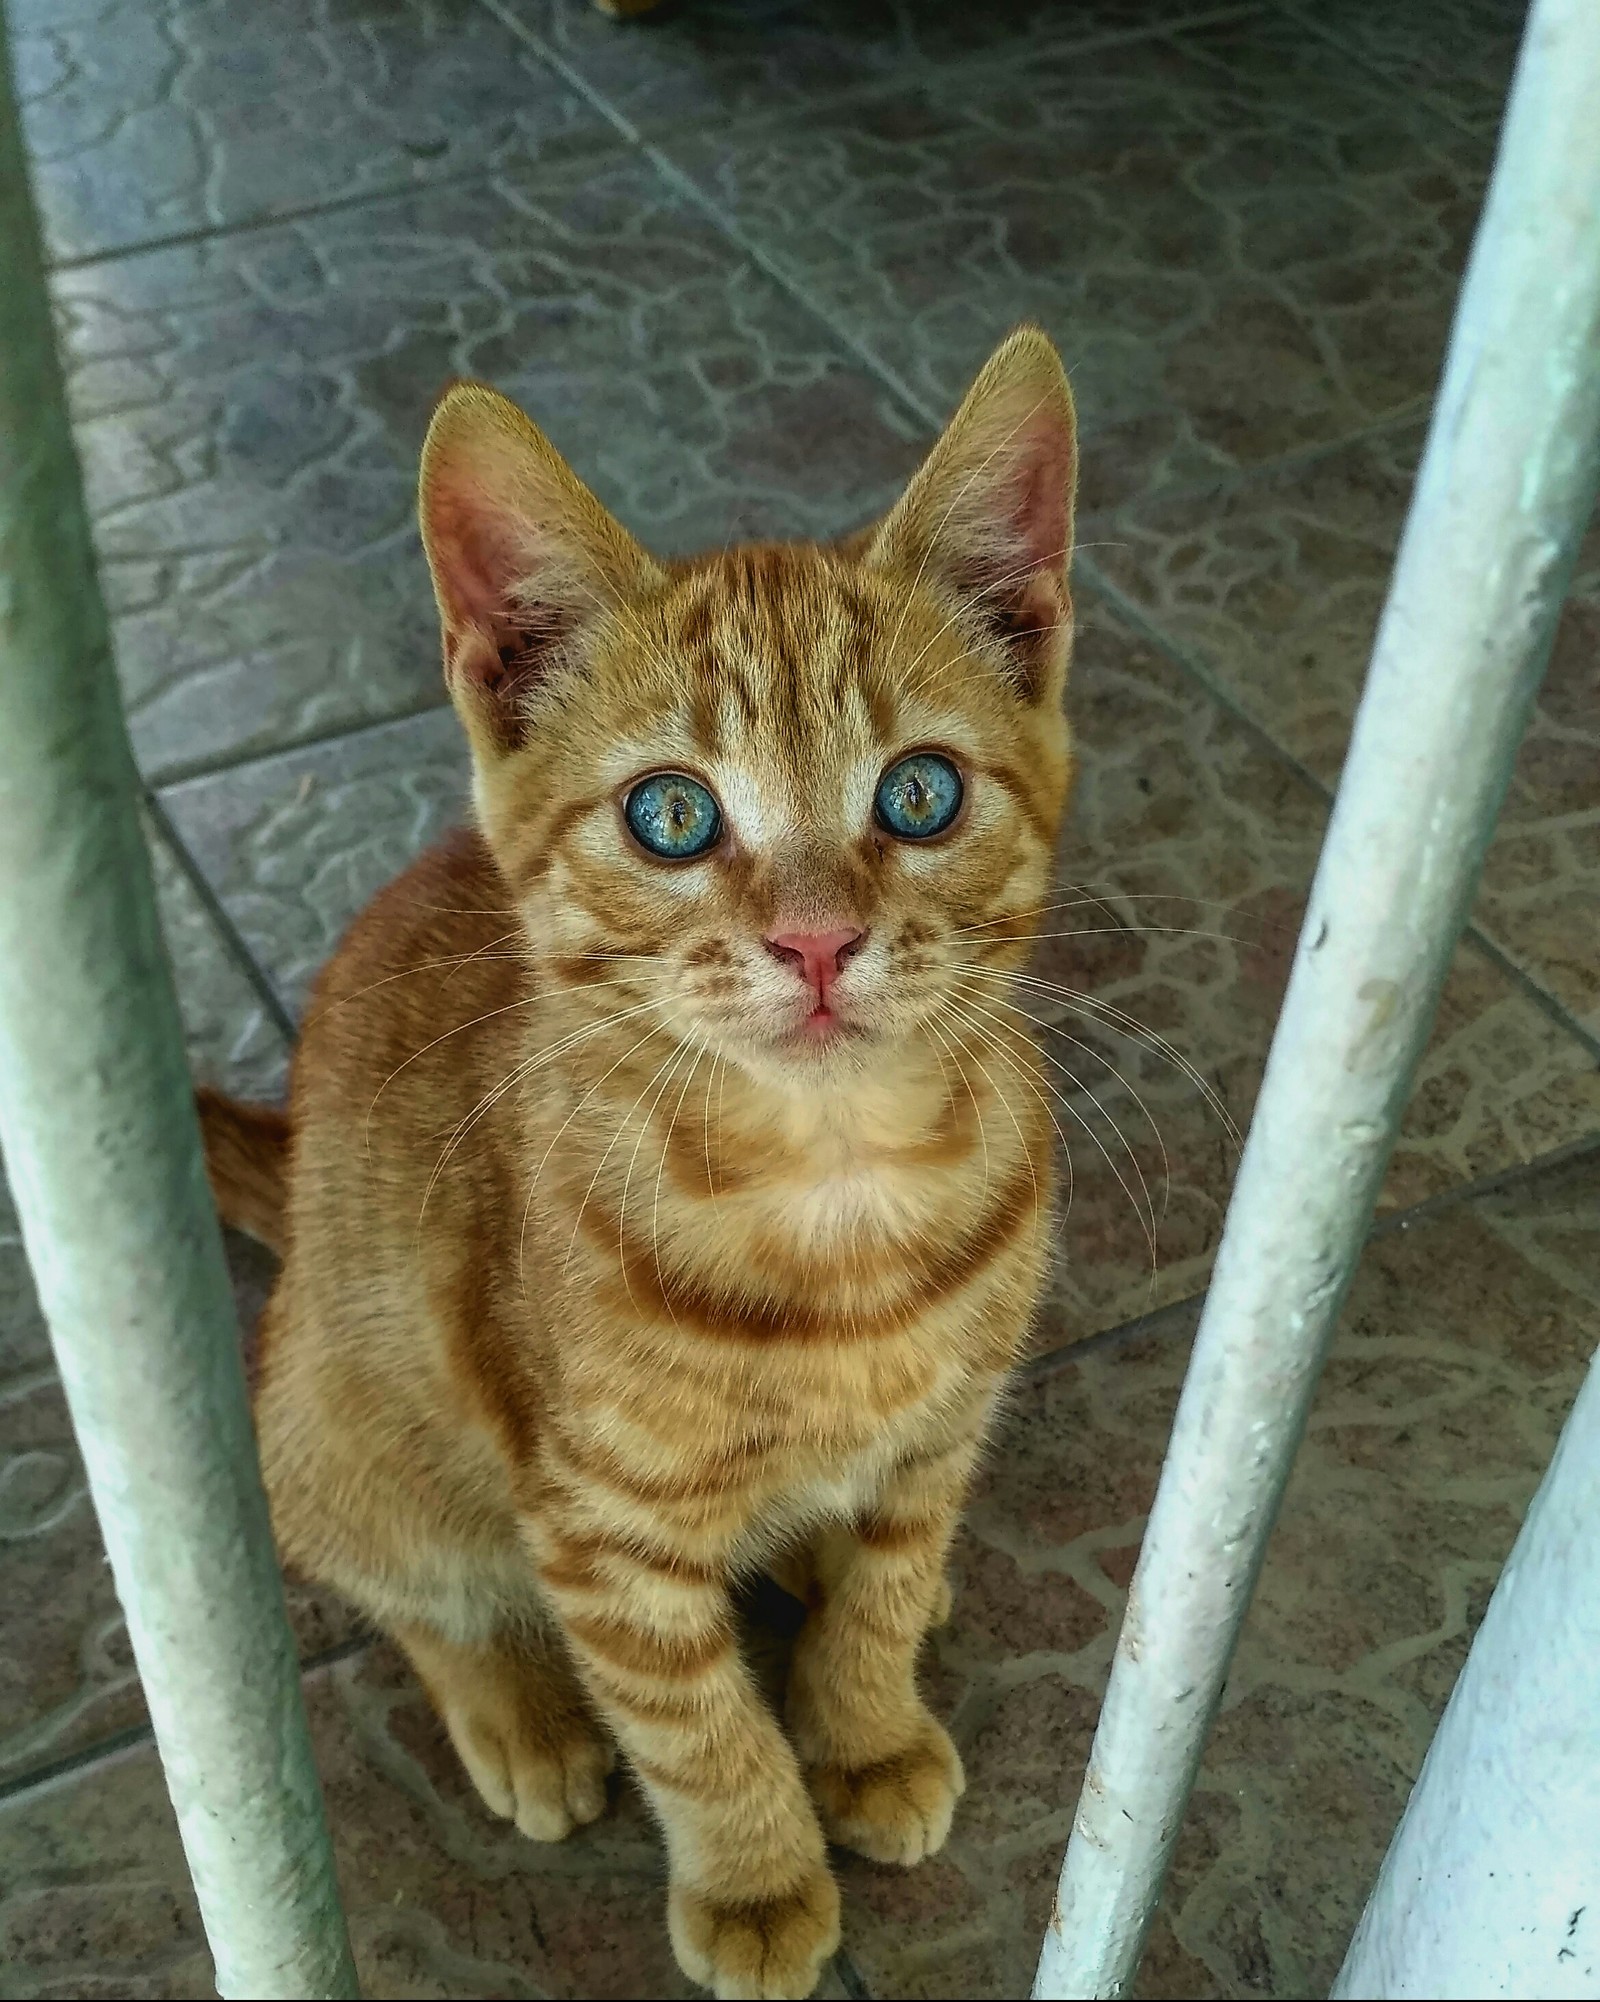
(758, 1947)
(898, 1809)
(547, 1781)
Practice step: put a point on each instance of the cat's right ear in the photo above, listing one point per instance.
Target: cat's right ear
(988, 517)
(524, 559)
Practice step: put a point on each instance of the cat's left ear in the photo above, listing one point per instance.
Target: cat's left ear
(526, 563)
(988, 518)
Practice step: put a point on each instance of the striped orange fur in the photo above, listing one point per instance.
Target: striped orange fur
(629, 1245)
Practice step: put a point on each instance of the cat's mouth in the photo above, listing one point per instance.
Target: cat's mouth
(823, 1028)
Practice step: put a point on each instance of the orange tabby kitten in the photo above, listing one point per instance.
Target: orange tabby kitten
(650, 1212)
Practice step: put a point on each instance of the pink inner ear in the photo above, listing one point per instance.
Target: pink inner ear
(1038, 494)
(479, 554)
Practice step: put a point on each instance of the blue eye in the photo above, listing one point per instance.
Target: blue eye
(673, 815)
(918, 797)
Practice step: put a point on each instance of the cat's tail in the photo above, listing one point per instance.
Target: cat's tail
(247, 1160)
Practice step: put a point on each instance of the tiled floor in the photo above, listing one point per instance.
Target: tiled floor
(739, 260)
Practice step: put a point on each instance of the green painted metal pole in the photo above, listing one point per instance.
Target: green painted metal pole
(103, 1151)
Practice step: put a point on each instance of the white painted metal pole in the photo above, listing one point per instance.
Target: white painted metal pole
(103, 1151)
(1506, 486)
(1492, 1883)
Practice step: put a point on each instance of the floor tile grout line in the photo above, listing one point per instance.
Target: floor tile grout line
(921, 70)
(1502, 1180)
(261, 983)
(1305, 18)
(163, 779)
(84, 1759)
(574, 162)
(843, 334)
(1129, 612)
(1378, 83)
(254, 225)
(1133, 615)
(39, 1779)
(1238, 481)
(1038, 1368)
(1497, 1182)
(850, 1976)
(1536, 992)
(686, 187)
(925, 72)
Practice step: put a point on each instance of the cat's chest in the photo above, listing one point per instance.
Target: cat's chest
(819, 1485)
(834, 1209)
(837, 1205)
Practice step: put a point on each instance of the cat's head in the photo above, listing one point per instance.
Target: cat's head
(790, 802)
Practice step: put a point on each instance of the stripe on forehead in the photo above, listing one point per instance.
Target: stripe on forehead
(777, 643)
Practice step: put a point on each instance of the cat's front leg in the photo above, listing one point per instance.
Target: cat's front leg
(882, 1769)
(752, 1905)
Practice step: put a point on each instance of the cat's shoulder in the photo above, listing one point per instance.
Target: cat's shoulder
(449, 910)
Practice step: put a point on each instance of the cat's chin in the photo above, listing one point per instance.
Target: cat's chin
(823, 1029)
(812, 1046)
(801, 1059)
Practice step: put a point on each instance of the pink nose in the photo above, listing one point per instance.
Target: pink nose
(817, 956)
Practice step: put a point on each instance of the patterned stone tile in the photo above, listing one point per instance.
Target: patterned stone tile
(724, 59)
(67, 1679)
(296, 845)
(1278, 584)
(1463, 1343)
(1183, 871)
(250, 410)
(1457, 54)
(1238, 255)
(443, 1900)
(1181, 876)
(232, 1039)
(157, 118)
(1369, 236)
(66, 1676)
